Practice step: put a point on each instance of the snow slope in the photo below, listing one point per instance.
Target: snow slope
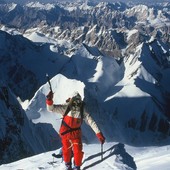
(116, 156)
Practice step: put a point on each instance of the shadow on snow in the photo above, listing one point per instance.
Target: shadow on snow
(120, 153)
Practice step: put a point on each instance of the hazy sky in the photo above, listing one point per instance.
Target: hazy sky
(136, 1)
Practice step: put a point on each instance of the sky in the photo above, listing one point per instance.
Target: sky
(21, 1)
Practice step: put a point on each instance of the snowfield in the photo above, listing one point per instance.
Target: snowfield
(116, 156)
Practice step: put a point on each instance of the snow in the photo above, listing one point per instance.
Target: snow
(111, 83)
(24, 104)
(148, 16)
(36, 35)
(137, 8)
(12, 31)
(92, 29)
(131, 32)
(12, 6)
(82, 6)
(39, 37)
(71, 8)
(156, 158)
(39, 5)
(85, 6)
(116, 156)
(98, 74)
(59, 84)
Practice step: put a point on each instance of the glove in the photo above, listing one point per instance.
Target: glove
(100, 137)
(68, 100)
(49, 99)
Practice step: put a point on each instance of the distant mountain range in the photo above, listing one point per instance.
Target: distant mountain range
(105, 25)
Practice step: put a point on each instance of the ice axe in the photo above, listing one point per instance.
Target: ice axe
(48, 79)
(101, 151)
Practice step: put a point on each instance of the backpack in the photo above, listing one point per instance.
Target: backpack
(65, 114)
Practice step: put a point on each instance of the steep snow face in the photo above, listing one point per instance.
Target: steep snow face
(93, 68)
(19, 137)
(28, 58)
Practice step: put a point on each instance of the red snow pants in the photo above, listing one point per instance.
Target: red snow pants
(74, 145)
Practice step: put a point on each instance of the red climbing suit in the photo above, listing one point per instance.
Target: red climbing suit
(70, 131)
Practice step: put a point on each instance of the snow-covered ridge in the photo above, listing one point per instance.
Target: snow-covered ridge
(12, 6)
(115, 156)
(39, 5)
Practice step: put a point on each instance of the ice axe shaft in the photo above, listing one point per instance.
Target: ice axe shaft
(102, 152)
(48, 79)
